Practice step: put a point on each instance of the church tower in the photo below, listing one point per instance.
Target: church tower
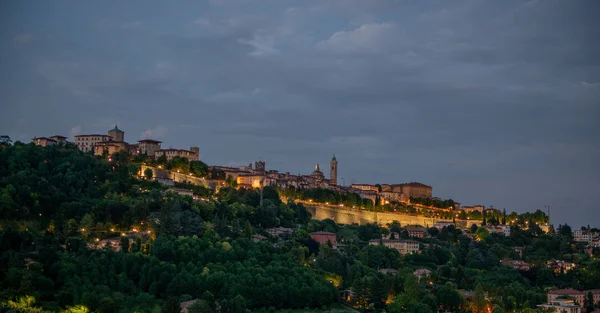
(333, 171)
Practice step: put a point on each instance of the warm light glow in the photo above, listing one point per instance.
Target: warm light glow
(135, 230)
(122, 234)
(83, 229)
(191, 174)
(97, 239)
(112, 229)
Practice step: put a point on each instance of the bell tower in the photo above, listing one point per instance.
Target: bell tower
(333, 171)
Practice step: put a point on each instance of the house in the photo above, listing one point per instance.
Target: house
(516, 264)
(185, 306)
(576, 295)
(562, 306)
(403, 246)
(582, 235)
(258, 237)
(416, 231)
(282, 232)
(468, 209)
(422, 272)
(500, 229)
(390, 271)
(560, 266)
(322, 237)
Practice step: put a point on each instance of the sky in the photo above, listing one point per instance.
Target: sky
(490, 102)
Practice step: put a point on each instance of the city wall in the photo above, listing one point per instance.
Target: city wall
(163, 174)
(356, 216)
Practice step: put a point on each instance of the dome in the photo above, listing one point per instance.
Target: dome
(317, 174)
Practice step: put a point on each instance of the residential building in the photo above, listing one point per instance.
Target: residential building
(392, 196)
(185, 306)
(86, 143)
(516, 264)
(422, 272)
(560, 266)
(280, 231)
(562, 306)
(414, 190)
(258, 237)
(255, 180)
(368, 194)
(322, 237)
(43, 141)
(46, 141)
(390, 271)
(500, 229)
(365, 187)
(578, 296)
(192, 155)
(110, 147)
(148, 146)
(479, 208)
(403, 246)
(582, 235)
(416, 231)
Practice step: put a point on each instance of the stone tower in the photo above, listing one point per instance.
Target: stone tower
(333, 171)
(116, 134)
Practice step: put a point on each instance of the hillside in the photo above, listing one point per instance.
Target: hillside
(83, 234)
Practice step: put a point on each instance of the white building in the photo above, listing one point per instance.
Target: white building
(582, 235)
(500, 229)
(403, 246)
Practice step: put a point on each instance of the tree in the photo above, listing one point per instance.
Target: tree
(482, 233)
(171, 305)
(479, 304)
(588, 302)
(200, 306)
(5, 140)
(148, 173)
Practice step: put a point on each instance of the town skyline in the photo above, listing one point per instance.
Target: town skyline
(402, 90)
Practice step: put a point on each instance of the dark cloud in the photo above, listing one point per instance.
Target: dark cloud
(490, 102)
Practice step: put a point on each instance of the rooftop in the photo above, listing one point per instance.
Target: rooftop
(150, 141)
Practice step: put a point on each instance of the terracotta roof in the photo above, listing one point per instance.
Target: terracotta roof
(43, 138)
(150, 140)
(565, 292)
(92, 135)
(322, 233)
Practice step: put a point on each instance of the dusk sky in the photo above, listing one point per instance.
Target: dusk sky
(490, 102)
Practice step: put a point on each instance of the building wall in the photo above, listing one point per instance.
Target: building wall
(324, 238)
(149, 148)
(86, 143)
(357, 216)
(116, 135)
(171, 153)
(110, 149)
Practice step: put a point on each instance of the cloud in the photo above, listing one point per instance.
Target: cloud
(75, 130)
(369, 38)
(23, 38)
(154, 133)
(263, 45)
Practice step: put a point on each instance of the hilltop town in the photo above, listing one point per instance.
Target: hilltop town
(392, 247)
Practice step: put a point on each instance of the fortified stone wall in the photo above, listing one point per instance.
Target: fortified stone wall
(357, 216)
(176, 177)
